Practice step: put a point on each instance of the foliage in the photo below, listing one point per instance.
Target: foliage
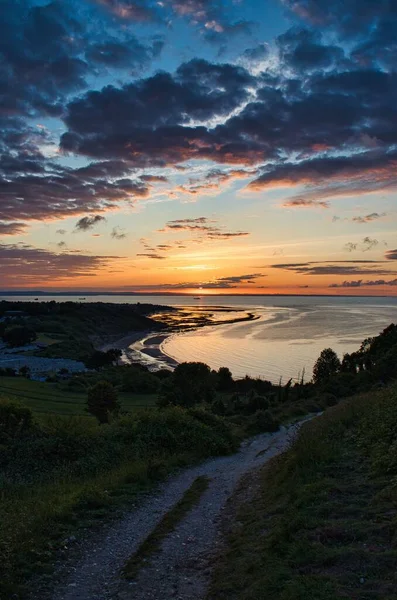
(102, 401)
(99, 359)
(321, 524)
(15, 420)
(224, 379)
(19, 335)
(327, 365)
(190, 384)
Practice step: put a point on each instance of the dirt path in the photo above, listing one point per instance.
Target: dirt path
(182, 568)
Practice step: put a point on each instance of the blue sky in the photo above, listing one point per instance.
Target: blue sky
(214, 145)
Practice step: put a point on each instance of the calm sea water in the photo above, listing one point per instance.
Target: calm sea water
(286, 340)
(289, 336)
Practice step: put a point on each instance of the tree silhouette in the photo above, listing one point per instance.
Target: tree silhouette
(327, 365)
(102, 401)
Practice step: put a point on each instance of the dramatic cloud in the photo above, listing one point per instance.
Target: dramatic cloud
(86, 223)
(61, 191)
(12, 228)
(211, 16)
(23, 264)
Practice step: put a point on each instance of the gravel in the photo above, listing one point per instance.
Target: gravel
(182, 568)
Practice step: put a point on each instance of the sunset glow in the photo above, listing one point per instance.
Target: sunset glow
(198, 148)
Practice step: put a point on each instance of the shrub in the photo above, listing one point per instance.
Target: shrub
(19, 335)
(15, 420)
(139, 381)
(102, 401)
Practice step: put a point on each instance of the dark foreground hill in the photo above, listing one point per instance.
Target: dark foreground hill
(323, 522)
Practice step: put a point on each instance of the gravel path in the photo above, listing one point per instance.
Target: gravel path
(182, 568)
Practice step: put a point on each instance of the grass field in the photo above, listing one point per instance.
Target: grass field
(323, 522)
(48, 398)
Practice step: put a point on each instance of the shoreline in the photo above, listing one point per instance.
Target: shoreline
(144, 347)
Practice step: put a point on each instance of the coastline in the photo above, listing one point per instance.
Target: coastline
(144, 347)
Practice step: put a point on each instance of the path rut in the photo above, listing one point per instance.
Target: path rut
(182, 568)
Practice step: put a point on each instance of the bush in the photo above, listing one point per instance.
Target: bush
(19, 335)
(15, 420)
(266, 421)
(139, 381)
(102, 401)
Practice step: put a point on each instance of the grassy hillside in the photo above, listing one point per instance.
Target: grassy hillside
(48, 398)
(323, 524)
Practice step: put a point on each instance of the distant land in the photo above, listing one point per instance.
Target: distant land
(108, 293)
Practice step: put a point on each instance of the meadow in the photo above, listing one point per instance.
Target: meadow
(48, 398)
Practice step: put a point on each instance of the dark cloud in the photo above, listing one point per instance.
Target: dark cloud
(22, 264)
(369, 243)
(62, 191)
(140, 11)
(202, 225)
(118, 233)
(221, 283)
(302, 50)
(12, 228)
(130, 54)
(49, 50)
(360, 283)
(369, 27)
(368, 218)
(148, 126)
(299, 202)
(86, 223)
(391, 254)
(254, 56)
(333, 268)
(152, 255)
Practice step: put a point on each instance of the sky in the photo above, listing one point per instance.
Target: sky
(199, 146)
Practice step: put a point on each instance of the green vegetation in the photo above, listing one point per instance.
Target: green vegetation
(324, 522)
(169, 522)
(62, 470)
(60, 399)
(18, 335)
(71, 328)
(60, 474)
(102, 402)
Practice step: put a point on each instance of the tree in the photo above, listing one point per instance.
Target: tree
(99, 359)
(327, 365)
(225, 379)
(191, 383)
(19, 335)
(102, 401)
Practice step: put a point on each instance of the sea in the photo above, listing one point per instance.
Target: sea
(283, 343)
